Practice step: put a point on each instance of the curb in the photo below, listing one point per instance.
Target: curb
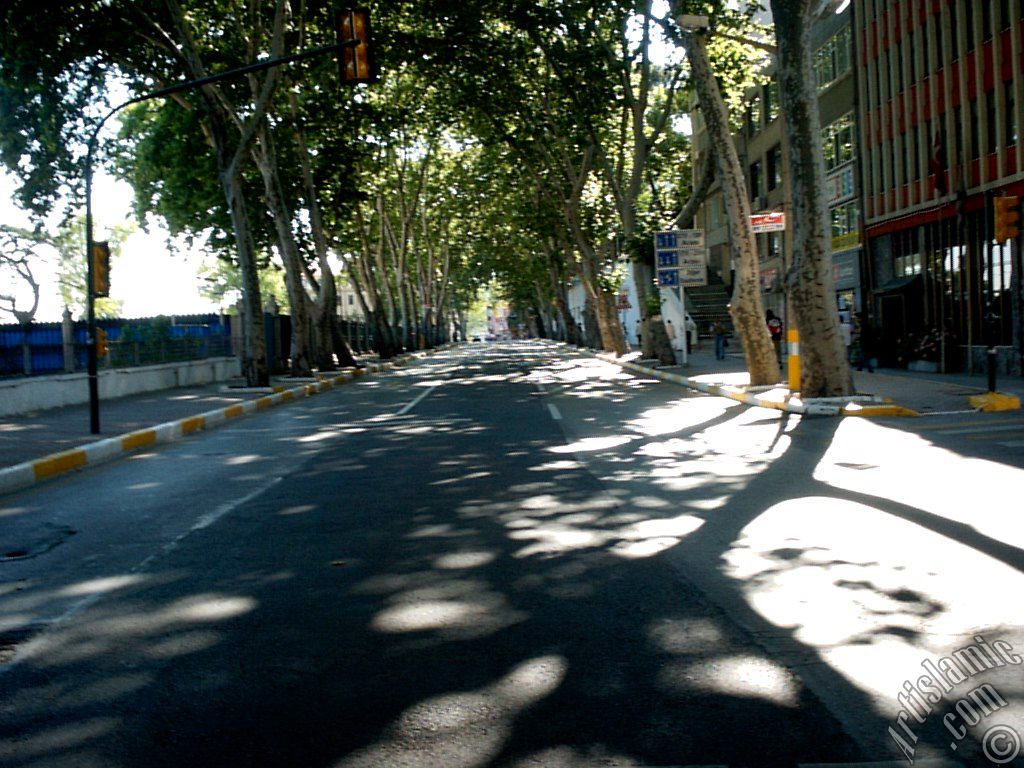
(778, 399)
(53, 465)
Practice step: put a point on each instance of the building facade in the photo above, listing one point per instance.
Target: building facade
(765, 158)
(920, 104)
(939, 98)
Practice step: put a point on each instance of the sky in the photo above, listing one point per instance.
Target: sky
(147, 278)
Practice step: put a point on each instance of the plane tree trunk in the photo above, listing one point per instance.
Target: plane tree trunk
(824, 369)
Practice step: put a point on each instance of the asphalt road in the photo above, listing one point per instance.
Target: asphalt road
(505, 555)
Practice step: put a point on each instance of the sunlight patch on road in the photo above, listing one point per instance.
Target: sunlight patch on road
(588, 444)
(461, 560)
(99, 586)
(242, 459)
(893, 457)
(874, 593)
(463, 729)
(452, 608)
(745, 676)
(683, 414)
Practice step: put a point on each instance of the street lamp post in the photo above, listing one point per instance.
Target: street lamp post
(353, 43)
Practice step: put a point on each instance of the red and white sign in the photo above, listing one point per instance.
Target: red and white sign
(773, 221)
(623, 303)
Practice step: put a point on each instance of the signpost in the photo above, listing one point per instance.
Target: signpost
(680, 258)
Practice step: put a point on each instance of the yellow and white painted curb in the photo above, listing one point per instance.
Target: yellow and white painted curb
(35, 471)
(779, 399)
(991, 402)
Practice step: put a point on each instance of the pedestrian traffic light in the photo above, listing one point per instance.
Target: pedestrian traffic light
(100, 269)
(101, 342)
(1007, 218)
(357, 64)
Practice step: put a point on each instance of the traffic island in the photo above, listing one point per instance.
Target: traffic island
(991, 402)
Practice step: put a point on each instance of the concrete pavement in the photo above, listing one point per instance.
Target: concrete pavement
(906, 392)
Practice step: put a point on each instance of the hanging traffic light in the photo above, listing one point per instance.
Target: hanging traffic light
(101, 343)
(100, 269)
(1007, 218)
(356, 61)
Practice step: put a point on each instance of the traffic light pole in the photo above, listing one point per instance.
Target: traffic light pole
(94, 399)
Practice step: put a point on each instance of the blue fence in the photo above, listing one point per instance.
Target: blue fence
(145, 341)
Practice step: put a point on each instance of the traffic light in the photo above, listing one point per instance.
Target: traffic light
(101, 343)
(100, 269)
(357, 64)
(1007, 218)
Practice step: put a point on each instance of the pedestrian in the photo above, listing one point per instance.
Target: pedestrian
(691, 333)
(639, 330)
(846, 333)
(864, 340)
(775, 329)
(718, 331)
(670, 330)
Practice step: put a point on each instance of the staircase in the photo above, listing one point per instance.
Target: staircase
(708, 304)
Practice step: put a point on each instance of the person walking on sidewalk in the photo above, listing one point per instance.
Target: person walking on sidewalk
(718, 331)
(672, 337)
(863, 343)
(775, 329)
(846, 332)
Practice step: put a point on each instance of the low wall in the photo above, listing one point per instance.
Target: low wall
(36, 393)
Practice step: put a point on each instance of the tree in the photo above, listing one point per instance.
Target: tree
(824, 370)
(17, 254)
(747, 307)
(72, 271)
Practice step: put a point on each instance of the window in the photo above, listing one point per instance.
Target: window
(969, 26)
(754, 116)
(755, 180)
(774, 167)
(986, 21)
(913, 57)
(954, 38)
(771, 102)
(958, 131)
(351, 299)
(837, 140)
(940, 56)
(991, 123)
(975, 130)
(844, 219)
(916, 153)
(832, 60)
(923, 37)
(899, 69)
(1004, 14)
(1010, 117)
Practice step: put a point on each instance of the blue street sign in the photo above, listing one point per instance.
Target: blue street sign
(665, 240)
(668, 259)
(668, 278)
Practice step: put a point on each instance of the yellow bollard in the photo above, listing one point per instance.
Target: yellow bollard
(793, 350)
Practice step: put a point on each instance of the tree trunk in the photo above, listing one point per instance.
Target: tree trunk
(747, 308)
(254, 352)
(265, 155)
(591, 329)
(824, 369)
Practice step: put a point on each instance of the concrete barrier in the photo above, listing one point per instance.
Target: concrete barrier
(36, 393)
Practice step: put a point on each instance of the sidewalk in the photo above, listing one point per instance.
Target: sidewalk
(923, 393)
